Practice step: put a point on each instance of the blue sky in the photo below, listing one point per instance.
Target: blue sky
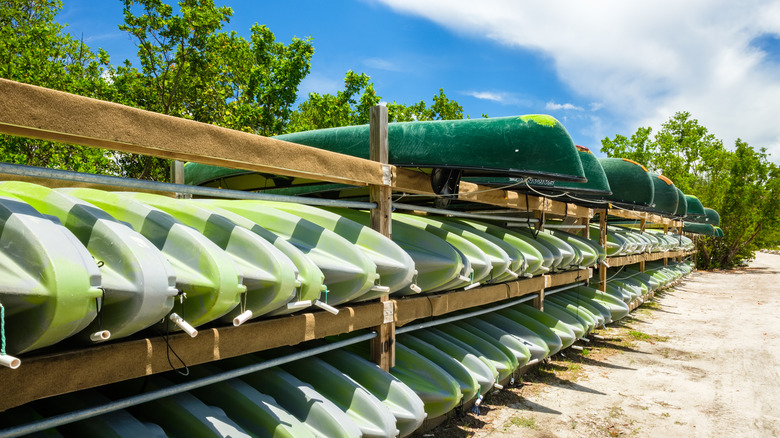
(601, 67)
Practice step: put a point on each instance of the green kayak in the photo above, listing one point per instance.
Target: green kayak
(581, 306)
(578, 323)
(537, 347)
(138, 281)
(207, 276)
(555, 341)
(308, 275)
(394, 266)
(616, 307)
(51, 285)
(503, 340)
(563, 330)
(349, 274)
(403, 403)
(269, 276)
(537, 263)
(500, 357)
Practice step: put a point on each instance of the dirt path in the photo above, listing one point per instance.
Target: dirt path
(703, 360)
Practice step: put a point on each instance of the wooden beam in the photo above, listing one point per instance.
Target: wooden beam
(36, 112)
(603, 243)
(383, 345)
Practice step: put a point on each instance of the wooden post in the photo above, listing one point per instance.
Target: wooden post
(642, 224)
(603, 242)
(177, 177)
(383, 345)
(585, 222)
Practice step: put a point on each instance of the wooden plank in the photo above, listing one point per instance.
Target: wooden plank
(51, 374)
(603, 243)
(36, 112)
(383, 345)
(568, 277)
(425, 306)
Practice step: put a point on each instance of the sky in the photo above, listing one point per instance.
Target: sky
(601, 67)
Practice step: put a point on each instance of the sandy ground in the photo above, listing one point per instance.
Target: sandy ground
(702, 360)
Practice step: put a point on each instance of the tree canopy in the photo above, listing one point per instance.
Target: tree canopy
(741, 184)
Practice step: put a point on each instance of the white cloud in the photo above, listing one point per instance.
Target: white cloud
(642, 60)
(485, 95)
(382, 64)
(552, 106)
(317, 83)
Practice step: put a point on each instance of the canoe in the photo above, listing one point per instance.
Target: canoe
(630, 183)
(257, 413)
(695, 210)
(469, 386)
(301, 400)
(268, 275)
(436, 261)
(484, 373)
(407, 408)
(665, 195)
(205, 274)
(535, 261)
(349, 274)
(51, 283)
(531, 145)
(682, 204)
(138, 281)
(310, 278)
(393, 265)
(713, 217)
(596, 184)
(374, 418)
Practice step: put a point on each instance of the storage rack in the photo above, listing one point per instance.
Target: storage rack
(36, 112)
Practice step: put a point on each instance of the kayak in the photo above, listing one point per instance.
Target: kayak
(51, 284)
(537, 263)
(268, 275)
(139, 283)
(536, 345)
(210, 282)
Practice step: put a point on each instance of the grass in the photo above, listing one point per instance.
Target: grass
(526, 422)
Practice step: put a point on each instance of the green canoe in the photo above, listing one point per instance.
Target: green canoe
(713, 217)
(405, 405)
(139, 283)
(531, 145)
(630, 182)
(665, 195)
(349, 274)
(695, 210)
(205, 274)
(51, 284)
(682, 204)
(269, 276)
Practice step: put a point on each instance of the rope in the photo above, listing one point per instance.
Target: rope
(2, 330)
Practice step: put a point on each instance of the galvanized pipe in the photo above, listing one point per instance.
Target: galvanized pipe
(563, 288)
(412, 207)
(125, 403)
(67, 175)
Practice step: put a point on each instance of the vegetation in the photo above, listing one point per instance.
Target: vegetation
(741, 184)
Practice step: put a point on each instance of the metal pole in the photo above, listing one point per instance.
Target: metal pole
(412, 207)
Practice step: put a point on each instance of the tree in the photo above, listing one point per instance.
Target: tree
(34, 49)
(741, 185)
(351, 107)
(192, 70)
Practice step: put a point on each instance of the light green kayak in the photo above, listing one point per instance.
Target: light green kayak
(579, 326)
(469, 386)
(206, 274)
(617, 307)
(394, 266)
(536, 345)
(257, 413)
(535, 260)
(486, 350)
(349, 274)
(503, 266)
(572, 314)
(564, 255)
(436, 261)
(309, 276)
(601, 314)
(477, 259)
(139, 283)
(407, 408)
(51, 284)
(563, 331)
(515, 346)
(484, 373)
(592, 252)
(372, 417)
(300, 399)
(269, 276)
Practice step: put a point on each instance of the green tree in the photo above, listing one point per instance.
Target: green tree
(741, 184)
(190, 69)
(34, 49)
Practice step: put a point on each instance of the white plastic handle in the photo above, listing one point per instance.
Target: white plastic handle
(378, 288)
(184, 325)
(10, 361)
(100, 336)
(326, 307)
(416, 289)
(471, 286)
(297, 305)
(242, 318)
